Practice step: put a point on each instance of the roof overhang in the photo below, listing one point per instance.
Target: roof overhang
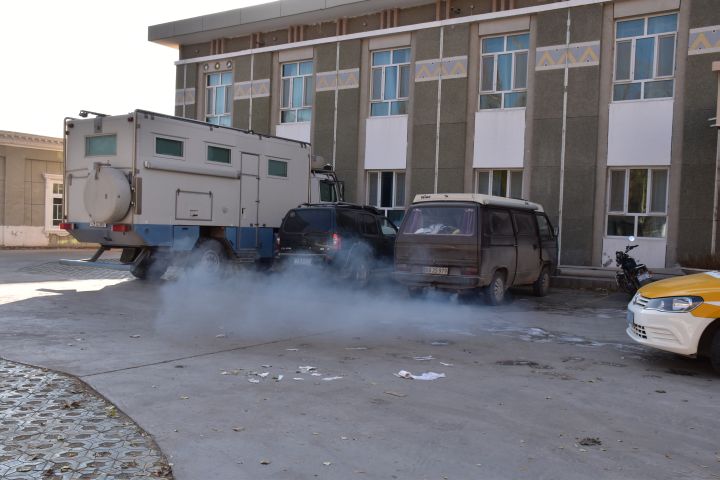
(27, 140)
(267, 17)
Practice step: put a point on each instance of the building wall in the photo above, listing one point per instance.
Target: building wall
(23, 197)
(699, 141)
(561, 140)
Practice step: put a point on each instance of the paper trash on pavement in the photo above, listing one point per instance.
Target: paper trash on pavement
(423, 359)
(423, 376)
(330, 379)
(306, 369)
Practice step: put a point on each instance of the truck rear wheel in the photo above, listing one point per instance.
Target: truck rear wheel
(153, 267)
(208, 256)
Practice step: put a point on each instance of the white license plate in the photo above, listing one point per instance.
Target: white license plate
(643, 276)
(302, 261)
(435, 270)
(98, 224)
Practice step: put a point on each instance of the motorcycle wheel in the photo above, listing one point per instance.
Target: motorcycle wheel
(626, 285)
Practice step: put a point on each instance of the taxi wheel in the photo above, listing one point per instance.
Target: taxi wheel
(715, 351)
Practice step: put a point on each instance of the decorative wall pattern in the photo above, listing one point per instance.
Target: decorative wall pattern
(586, 54)
(341, 80)
(704, 40)
(451, 67)
(184, 96)
(253, 88)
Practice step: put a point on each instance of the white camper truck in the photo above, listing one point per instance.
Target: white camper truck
(161, 187)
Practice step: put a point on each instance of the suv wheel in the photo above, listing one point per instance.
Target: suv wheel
(495, 292)
(360, 271)
(715, 351)
(541, 287)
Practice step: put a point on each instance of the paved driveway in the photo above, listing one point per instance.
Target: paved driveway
(537, 388)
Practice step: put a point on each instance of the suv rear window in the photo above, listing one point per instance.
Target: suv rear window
(440, 221)
(308, 221)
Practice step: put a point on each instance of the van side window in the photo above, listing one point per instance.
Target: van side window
(525, 223)
(500, 223)
(546, 232)
(368, 225)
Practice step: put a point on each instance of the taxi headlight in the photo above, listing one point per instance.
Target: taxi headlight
(673, 304)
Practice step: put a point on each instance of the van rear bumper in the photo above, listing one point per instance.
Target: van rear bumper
(443, 282)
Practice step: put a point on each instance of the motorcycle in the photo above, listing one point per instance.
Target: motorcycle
(631, 275)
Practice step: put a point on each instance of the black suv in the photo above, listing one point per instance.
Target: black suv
(353, 240)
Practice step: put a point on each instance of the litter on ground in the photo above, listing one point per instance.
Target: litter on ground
(306, 369)
(423, 376)
(330, 379)
(424, 359)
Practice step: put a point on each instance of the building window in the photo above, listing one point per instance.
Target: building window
(219, 98)
(297, 92)
(218, 154)
(53, 201)
(390, 86)
(501, 183)
(637, 202)
(503, 71)
(386, 190)
(645, 57)
(277, 168)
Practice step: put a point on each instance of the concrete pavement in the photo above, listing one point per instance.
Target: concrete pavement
(527, 383)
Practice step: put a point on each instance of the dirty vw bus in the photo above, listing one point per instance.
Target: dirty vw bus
(472, 242)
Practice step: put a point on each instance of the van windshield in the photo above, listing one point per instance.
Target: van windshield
(308, 221)
(440, 221)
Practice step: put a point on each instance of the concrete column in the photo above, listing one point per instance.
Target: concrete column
(241, 108)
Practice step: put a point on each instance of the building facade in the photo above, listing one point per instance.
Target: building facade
(601, 110)
(31, 191)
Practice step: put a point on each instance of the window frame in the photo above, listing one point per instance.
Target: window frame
(228, 99)
(215, 162)
(656, 57)
(168, 137)
(383, 69)
(51, 225)
(378, 200)
(647, 208)
(88, 138)
(278, 160)
(308, 82)
(508, 182)
(495, 56)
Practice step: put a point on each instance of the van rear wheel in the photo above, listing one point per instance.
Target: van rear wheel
(495, 291)
(541, 287)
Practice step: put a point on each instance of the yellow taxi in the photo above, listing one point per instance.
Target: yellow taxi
(680, 315)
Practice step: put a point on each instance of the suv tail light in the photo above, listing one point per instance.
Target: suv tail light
(469, 271)
(277, 244)
(67, 226)
(336, 242)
